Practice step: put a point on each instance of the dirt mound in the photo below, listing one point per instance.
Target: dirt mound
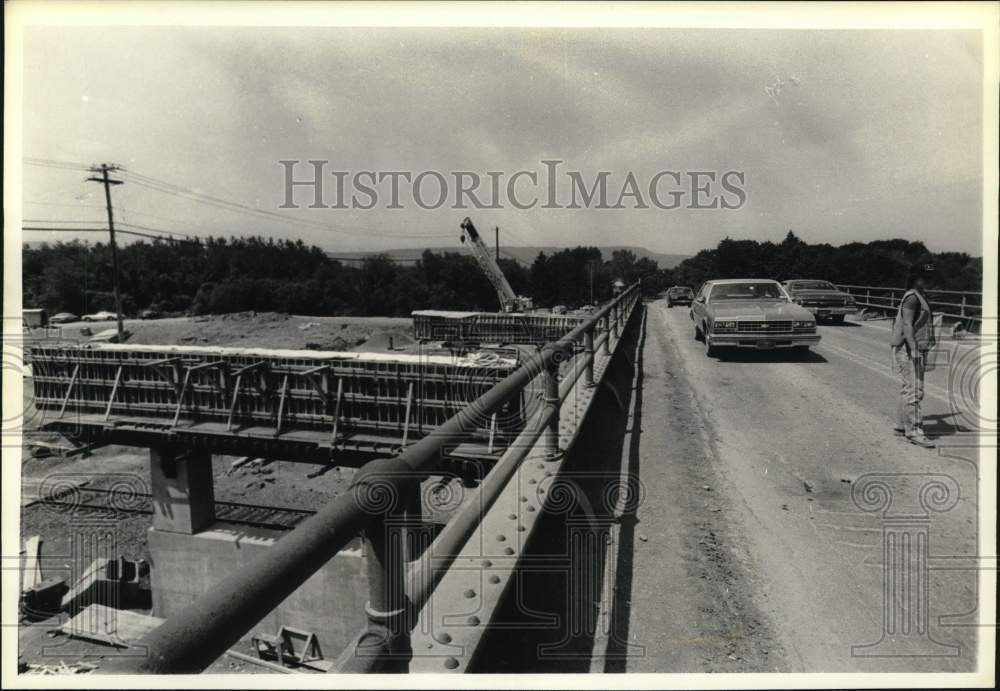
(257, 317)
(393, 339)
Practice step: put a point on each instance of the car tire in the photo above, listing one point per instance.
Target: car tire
(669, 304)
(710, 350)
(837, 318)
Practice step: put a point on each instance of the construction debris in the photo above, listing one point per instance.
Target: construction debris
(31, 572)
(43, 599)
(291, 646)
(106, 582)
(61, 668)
(117, 627)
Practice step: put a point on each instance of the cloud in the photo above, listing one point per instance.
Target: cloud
(841, 134)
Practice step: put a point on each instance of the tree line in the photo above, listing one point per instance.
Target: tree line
(220, 275)
(878, 263)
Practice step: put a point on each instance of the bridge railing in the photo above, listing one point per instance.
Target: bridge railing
(190, 641)
(964, 306)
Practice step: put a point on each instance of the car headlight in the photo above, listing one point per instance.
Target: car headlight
(725, 326)
(804, 324)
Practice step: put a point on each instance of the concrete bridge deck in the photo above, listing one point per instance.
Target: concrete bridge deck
(750, 553)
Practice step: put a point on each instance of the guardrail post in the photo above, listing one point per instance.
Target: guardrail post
(387, 638)
(550, 437)
(963, 306)
(606, 343)
(588, 353)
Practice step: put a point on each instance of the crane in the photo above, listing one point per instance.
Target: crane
(509, 300)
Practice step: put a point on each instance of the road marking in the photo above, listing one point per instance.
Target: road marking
(875, 366)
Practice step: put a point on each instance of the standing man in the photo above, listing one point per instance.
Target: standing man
(912, 338)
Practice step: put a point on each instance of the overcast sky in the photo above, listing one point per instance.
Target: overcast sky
(871, 134)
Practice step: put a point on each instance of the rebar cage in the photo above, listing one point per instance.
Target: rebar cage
(268, 391)
(490, 327)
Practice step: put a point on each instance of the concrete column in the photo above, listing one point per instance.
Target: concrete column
(588, 352)
(183, 491)
(550, 435)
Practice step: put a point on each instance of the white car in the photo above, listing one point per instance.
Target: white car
(102, 316)
(110, 336)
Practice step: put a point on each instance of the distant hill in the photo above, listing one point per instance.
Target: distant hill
(525, 255)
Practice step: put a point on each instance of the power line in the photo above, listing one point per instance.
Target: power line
(182, 192)
(97, 230)
(227, 205)
(131, 211)
(157, 230)
(63, 204)
(52, 163)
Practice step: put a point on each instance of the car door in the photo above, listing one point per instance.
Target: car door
(697, 310)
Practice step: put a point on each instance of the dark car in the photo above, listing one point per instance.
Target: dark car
(822, 298)
(679, 295)
(64, 318)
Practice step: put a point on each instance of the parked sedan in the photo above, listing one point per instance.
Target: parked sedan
(102, 316)
(679, 295)
(822, 298)
(64, 318)
(750, 313)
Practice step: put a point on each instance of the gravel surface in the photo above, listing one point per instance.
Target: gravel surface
(264, 330)
(775, 566)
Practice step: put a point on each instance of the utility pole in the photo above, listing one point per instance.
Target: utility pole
(104, 169)
(497, 231)
(590, 265)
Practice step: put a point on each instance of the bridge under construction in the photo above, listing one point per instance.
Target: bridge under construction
(612, 488)
(367, 575)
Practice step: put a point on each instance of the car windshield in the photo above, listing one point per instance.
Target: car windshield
(812, 285)
(746, 291)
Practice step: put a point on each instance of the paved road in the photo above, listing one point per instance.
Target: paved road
(750, 553)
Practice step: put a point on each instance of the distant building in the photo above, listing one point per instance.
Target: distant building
(35, 317)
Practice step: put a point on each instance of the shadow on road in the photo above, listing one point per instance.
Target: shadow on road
(765, 356)
(938, 426)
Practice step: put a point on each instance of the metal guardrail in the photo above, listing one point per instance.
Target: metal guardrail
(954, 304)
(190, 641)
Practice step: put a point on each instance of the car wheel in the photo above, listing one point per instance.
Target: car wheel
(669, 304)
(697, 332)
(837, 319)
(710, 350)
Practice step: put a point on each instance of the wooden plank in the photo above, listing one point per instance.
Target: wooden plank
(281, 405)
(114, 392)
(274, 667)
(180, 398)
(406, 422)
(69, 389)
(117, 627)
(236, 396)
(336, 409)
(31, 573)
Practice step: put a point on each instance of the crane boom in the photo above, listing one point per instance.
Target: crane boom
(509, 300)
